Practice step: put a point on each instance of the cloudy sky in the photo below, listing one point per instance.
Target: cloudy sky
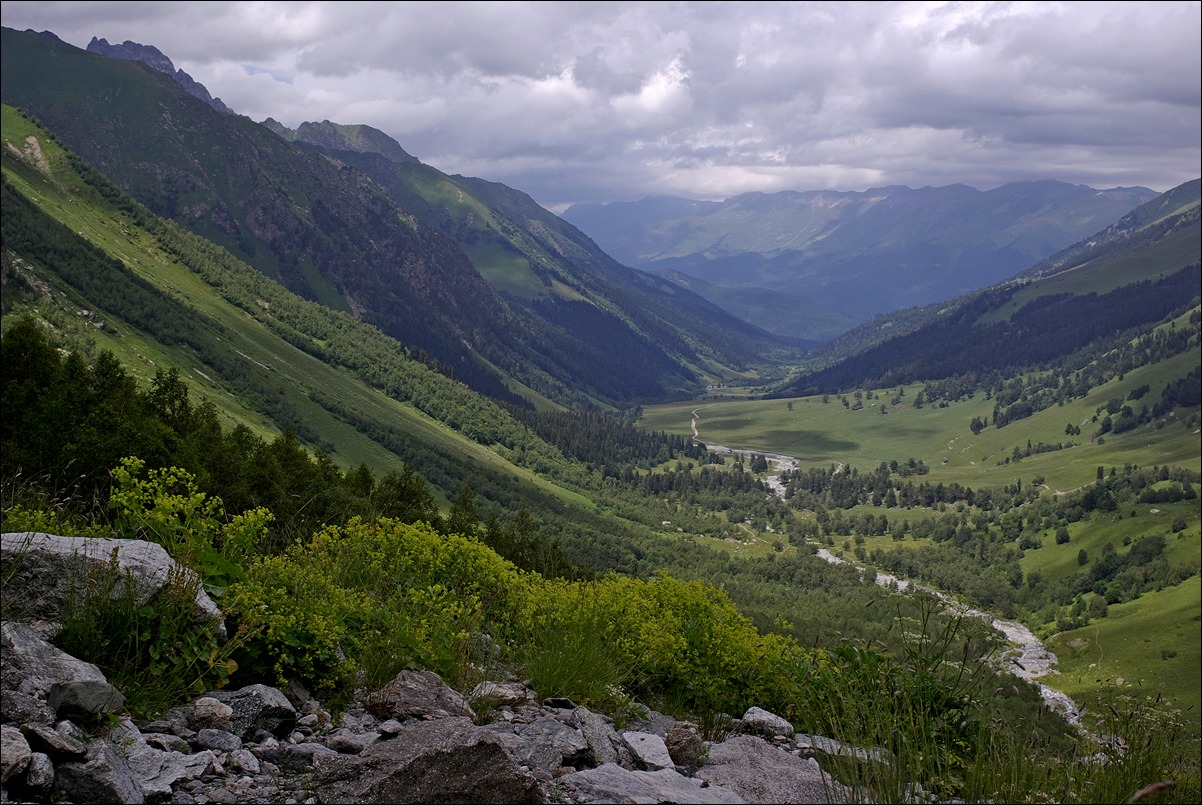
(612, 101)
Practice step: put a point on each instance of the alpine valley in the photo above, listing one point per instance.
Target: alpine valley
(398, 419)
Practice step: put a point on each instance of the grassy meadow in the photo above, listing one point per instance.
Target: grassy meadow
(1152, 643)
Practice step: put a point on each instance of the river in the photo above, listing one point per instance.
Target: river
(1027, 657)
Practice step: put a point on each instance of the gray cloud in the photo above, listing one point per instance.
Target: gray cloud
(609, 101)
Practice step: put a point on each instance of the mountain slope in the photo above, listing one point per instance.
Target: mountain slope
(327, 231)
(858, 253)
(538, 262)
(1132, 275)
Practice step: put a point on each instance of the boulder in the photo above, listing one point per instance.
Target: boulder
(257, 707)
(84, 700)
(761, 722)
(102, 776)
(14, 753)
(35, 665)
(649, 750)
(45, 571)
(760, 772)
(684, 745)
(449, 760)
(418, 694)
(613, 784)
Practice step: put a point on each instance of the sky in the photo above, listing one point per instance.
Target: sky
(614, 101)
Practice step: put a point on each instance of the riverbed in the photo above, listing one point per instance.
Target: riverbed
(1027, 657)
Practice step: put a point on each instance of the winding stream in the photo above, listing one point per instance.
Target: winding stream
(1027, 657)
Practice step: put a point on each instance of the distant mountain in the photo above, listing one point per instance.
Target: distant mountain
(153, 57)
(1093, 299)
(860, 253)
(337, 233)
(775, 311)
(337, 137)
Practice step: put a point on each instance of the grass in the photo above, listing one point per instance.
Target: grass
(1143, 646)
(826, 434)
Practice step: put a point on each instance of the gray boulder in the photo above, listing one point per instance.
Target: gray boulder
(761, 722)
(449, 760)
(649, 750)
(14, 753)
(614, 784)
(257, 707)
(35, 665)
(760, 772)
(45, 571)
(102, 776)
(418, 694)
(85, 700)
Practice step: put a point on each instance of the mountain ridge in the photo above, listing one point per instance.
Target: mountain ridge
(329, 231)
(859, 253)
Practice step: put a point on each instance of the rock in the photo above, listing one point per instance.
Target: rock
(419, 694)
(210, 713)
(598, 734)
(684, 745)
(611, 783)
(649, 750)
(156, 771)
(257, 707)
(14, 753)
(47, 570)
(761, 722)
(821, 748)
(103, 776)
(760, 772)
(449, 760)
(37, 664)
(85, 701)
(499, 694)
(39, 775)
(545, 743)
(217, 740)
(53, 742)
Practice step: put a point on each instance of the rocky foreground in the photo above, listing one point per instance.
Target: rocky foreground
(66, 738)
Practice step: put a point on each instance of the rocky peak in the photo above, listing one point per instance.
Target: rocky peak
(155, 58)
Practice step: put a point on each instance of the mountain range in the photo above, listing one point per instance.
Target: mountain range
(499, 292)
(852, 254)
(480, 282)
